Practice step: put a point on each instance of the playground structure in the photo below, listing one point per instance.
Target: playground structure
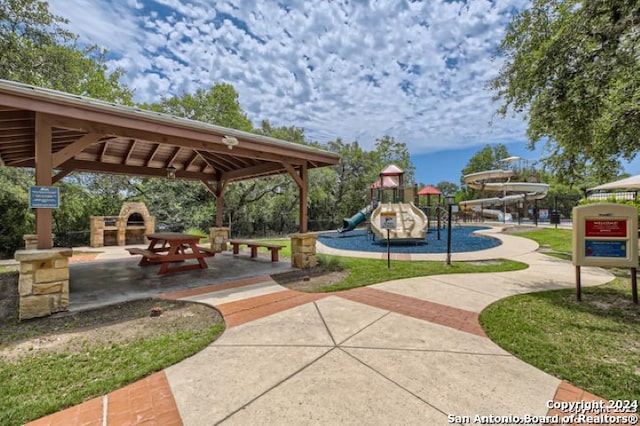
(499, 180)
(411, 223)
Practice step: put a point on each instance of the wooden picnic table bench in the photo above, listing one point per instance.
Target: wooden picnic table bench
(254, 246)
(166, 248)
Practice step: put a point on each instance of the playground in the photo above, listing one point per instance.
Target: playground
(418, 224)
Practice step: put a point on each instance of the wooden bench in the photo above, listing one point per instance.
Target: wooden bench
(254, 246)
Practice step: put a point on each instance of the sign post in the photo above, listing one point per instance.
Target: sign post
(606, 234)
(388, 222)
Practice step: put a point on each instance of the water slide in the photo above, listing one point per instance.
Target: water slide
(486, 181)
(411, 222)
(355, 220)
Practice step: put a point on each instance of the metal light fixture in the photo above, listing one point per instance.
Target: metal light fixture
(230, 141)
(171, 172)
(450, 200)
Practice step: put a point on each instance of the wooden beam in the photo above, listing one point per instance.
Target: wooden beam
(177, 135)
(132, 146)
(253, 171)
(96, 166)
(77, 146)
(103, 152)
(209, 187)
(60, 175)
(304, 194)
(43, 163)
(154, 151)
(294, 174)
(1, 161)
(220, 189)
(191, 160)
(173, 157)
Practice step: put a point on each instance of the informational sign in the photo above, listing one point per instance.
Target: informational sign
(599, 248)
(606, 228)
(606, 234)
(44, 197)
(387, 220)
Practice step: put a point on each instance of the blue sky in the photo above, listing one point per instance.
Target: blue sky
(354, 69)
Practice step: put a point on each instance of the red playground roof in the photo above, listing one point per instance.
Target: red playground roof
(429, 190)
(389, 182)
(392, 170)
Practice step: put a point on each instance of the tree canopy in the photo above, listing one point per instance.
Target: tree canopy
(35, 49)
(573, 67)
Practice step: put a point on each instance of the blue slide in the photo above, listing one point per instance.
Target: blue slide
(355, 220)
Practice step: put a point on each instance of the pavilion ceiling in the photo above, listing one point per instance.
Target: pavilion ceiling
(94, 136)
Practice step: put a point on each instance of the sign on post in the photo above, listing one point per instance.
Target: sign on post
(44, 197)
(605, 234)
(388, 222)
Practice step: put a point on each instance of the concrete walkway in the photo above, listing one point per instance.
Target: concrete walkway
(404, 352)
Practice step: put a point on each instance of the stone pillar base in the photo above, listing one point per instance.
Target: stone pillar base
(31, 241)
(219, 238)
(303, 250)
(43, 286)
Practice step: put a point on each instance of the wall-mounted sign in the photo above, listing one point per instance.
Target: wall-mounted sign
(44, 197)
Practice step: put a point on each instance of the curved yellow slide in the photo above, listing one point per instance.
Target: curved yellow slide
(411, 222)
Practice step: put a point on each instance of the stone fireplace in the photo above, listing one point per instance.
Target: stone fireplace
(127, 228)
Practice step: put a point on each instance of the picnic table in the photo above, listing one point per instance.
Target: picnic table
(169, 247)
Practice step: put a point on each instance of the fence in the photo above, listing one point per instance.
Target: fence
(239, 229)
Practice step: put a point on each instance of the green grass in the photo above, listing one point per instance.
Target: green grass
(364, 272)
(47, 382)
(554, 242)
(593, 344)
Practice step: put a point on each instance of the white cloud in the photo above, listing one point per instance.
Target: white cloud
(356, 70)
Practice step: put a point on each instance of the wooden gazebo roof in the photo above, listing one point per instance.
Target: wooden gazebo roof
(96, 136)
(58, 133)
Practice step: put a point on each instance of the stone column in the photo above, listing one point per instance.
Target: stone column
(303, 250)
(43, 286)
(219, 236)
(97, 231)
(30, 241)
(121, 236)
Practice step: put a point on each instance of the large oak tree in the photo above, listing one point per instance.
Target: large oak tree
(573, 67)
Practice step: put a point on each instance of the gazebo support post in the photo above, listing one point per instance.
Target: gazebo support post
(44, 217)
(218, 235)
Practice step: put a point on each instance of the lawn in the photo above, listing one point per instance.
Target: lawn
(38, 382)
(593, 344)
(363, 272)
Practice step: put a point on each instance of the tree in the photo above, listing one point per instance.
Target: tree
(447, 188)
(488, 158)
(16, 219)
(218, 105)
(390, 151)
(573, 67)
(35, 49)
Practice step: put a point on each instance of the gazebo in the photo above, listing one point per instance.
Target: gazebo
(58, 133)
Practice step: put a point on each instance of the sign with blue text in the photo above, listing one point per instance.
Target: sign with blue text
(44, 197)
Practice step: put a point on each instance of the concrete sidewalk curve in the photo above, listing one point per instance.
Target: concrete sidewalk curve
(405, 352)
